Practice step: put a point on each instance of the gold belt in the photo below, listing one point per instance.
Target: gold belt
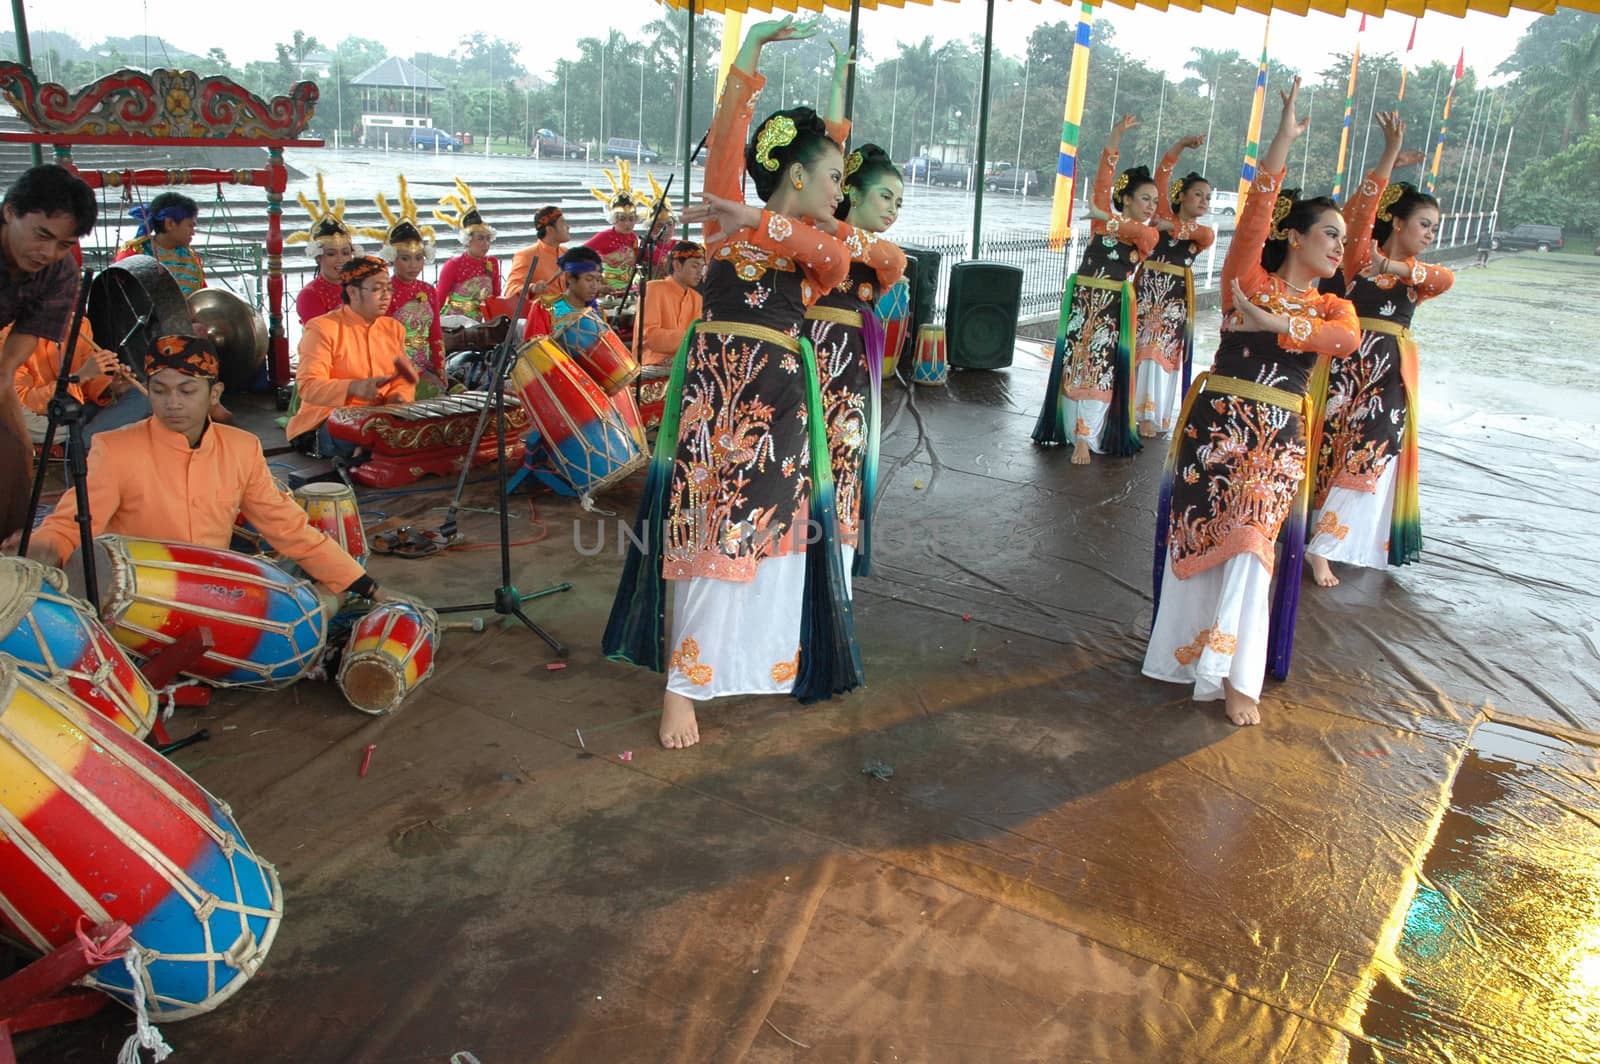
(1379, 325)
(837, 315)
(1166, 267)
(751, 331)
(1100, 282)
(1261, 393)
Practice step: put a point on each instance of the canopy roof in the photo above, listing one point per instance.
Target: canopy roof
(1376, 8)
(396, 73)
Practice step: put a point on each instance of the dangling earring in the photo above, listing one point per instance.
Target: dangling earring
(799, 184)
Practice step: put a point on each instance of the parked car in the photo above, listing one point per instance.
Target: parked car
(430, 139)
(952, 175)
(548, 144)
(1528, 235)
(631, 150)
(1224, 203)
(1013, 179)
(920, 167)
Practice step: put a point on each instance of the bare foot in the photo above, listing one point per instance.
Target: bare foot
(678, 725)
(1321, 571)
(1148, 429)
(1242, 709)
(1080, 452)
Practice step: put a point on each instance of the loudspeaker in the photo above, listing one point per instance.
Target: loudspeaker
(981, 316)
(922, 277)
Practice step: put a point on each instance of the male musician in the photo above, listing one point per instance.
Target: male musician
(43, 215)
(104, 386)
(576, 321)
(541, 256)
(166, 233)
(348, 356)
(672, 304)
(176, 476)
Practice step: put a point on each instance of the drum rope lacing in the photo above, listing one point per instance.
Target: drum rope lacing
(145, 1035)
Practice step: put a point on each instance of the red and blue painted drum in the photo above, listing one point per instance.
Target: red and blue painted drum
(597, 350)
(587, 442)
(268, 628)
(627, 409)
(333, 511)
(389, 654)
(931, 366)
(58, 639)
(894, 310)
(96, 825)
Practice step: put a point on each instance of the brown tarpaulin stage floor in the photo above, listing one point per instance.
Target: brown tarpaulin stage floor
(1069, 862)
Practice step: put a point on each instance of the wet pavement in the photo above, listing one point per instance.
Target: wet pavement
(1068, 862)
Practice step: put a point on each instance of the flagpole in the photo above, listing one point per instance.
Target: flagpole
(1377, 78)
(1494, 214)
(1433, 111)
(1444, 122)
(1349, 106)
(1072, 115)
(1305, 157)
(1252, 147)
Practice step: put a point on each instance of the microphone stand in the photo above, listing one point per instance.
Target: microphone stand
(507, 599)
(642, 267)
(66, 409)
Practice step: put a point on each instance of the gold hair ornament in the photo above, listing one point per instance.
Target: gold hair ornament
(778, 132)
(1280, 211)
(1386, 202)
(325, 216)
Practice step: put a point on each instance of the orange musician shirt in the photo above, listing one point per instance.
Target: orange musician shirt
(36, 378)
(669, 310)
(338, 349)
(146, 481)
(540, 258)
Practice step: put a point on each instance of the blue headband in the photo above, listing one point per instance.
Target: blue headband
(175, 213)
(580, 266)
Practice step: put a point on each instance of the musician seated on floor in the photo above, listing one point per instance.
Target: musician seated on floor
(672, 304)
(574, 329)
(166, 233)
(348, 357)
(541, 258)
(178, 477)
(104, 386)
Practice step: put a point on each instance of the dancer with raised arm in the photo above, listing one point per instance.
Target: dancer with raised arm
(738, 510)
(1238, 466)
(1367, 510)
(1089, 397)
(1164, 358)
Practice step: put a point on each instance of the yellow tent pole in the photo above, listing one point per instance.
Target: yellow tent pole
(732, 27)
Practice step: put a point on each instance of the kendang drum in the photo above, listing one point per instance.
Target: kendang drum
(653, 382)
(931, 366)
(332, 511)
(389, 654)
(95, 825)
(56, 638)
(575, 427)
(597, 348)
(894, 310)
(627, 409)
(408, 441)
(268, 629)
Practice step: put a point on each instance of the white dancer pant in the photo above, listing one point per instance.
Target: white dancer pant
(1353, 525)
(733, 638)
(1213, 627)
(1084, 419)
(1157, 395)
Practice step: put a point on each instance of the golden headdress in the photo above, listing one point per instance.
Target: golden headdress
(1390, 197)
(623, 197)
(327, 222)
(1175, 190)
(776, 132)
(467, 218)
(404, 231)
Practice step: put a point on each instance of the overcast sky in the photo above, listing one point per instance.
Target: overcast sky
(247, 31)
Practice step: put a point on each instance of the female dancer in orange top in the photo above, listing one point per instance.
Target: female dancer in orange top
(1165, 288)
(1238, 468)
(1089, 397)
(1366, 495)
(738, 509)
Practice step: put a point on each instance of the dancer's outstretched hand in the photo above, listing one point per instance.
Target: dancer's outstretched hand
(728, 215)
(1290, 121)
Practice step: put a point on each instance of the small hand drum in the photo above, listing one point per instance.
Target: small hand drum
(389, 654)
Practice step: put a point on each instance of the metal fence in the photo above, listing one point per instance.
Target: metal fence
(1044, 272)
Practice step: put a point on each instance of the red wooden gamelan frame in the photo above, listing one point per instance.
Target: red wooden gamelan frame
(175, 108)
